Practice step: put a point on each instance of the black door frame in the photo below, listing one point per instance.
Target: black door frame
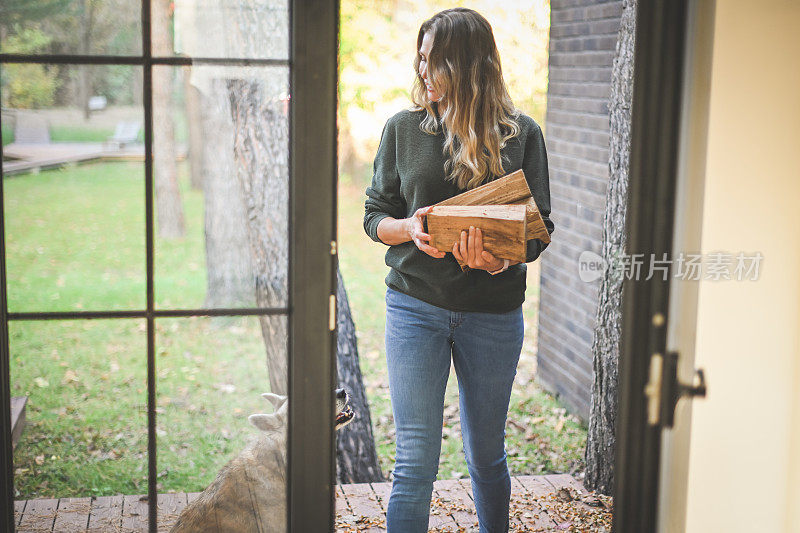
(658, 82)
(313, 35)
(312, 265)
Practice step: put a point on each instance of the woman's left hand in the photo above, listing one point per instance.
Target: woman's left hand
(470, 251)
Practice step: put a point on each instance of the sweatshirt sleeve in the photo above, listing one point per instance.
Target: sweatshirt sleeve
(534, 164)
(383, 195)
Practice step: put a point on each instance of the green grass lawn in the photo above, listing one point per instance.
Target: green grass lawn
(79, 134)
(75, 240)
(7, 134)
(59, 133)
(85, 382)
(85, 134)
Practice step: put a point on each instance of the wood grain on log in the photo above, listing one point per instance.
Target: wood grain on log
(503, 227)
(534, 225)
(505, 190)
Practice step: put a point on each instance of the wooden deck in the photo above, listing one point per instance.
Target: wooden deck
(359, 507)
(33, 157)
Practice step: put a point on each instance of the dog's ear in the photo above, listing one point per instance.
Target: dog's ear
(265, 422)
(277, 400)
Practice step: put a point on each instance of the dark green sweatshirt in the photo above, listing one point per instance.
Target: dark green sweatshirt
(409, 174)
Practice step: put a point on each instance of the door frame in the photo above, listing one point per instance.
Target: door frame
(314, 39)
(655, 138)
(687, 234)
(311, 313)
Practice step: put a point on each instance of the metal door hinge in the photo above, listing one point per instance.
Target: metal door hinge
(332, 312)
(652, 390)
(663, 390)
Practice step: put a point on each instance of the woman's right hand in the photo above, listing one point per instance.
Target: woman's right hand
(415, 228)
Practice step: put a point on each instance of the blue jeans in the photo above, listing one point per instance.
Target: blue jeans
(485, 347)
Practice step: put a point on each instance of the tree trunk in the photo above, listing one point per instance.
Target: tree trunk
(601, 444)
(85, 71)
(169, 208)
(356, 458)
(261, 155)
(229, 267)
(191, 97)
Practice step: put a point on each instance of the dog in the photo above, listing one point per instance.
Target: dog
(249, 493)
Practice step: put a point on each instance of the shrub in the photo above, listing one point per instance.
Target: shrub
(26, 85)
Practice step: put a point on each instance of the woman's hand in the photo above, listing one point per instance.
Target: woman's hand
(417, 235)
(470, 251)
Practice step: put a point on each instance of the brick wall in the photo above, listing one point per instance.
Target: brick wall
(583, 36)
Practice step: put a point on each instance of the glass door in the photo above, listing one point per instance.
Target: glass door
(168, 263)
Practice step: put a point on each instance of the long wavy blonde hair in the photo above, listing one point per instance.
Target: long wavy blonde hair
(479, 116)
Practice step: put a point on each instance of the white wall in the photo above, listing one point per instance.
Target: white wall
(744, 455)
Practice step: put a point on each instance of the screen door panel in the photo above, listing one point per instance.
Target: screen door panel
(173, 237)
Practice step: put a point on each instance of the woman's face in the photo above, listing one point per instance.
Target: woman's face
(424, 50)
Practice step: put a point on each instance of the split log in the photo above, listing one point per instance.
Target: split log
(503, 227)
(506, 190)
(510, 189)
(534, 225)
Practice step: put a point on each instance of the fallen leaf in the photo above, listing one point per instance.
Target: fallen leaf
(564, 495)
(516, 424)
(41, 382)
(593, 501)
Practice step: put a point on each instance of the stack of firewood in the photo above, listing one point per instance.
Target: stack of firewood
(504, 210)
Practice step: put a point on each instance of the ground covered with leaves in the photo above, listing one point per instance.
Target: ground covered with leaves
(567, 509)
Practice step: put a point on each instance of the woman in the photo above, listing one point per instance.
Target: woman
(462, 132)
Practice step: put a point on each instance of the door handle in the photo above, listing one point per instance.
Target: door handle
(664, 390)
(696, 389)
